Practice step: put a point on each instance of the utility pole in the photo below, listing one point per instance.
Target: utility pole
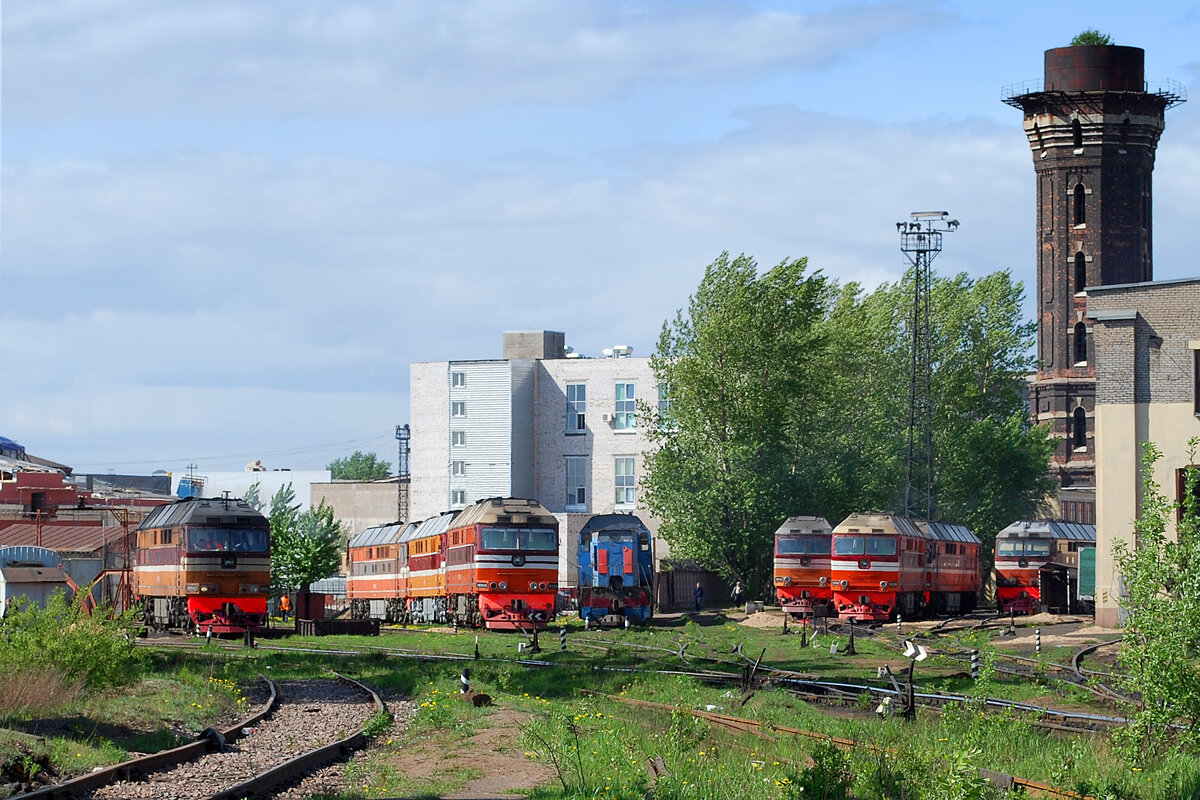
(921, 241)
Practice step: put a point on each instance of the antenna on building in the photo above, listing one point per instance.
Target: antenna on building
(921, 241)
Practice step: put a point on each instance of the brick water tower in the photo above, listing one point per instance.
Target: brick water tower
(1093, 126)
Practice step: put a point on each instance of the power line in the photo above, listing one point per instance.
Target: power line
(377, 438)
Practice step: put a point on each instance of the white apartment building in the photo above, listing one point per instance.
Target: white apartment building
(536, 423)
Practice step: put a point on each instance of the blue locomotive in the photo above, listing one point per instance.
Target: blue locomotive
(616, 557)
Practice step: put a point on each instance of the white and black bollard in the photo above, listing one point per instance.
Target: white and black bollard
(974, 665)
(562, 639)
(627, 623)
(1037, 641)
(464, 681)
(899, 623)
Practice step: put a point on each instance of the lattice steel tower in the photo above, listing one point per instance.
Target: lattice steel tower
(403, 472)
(921, 241)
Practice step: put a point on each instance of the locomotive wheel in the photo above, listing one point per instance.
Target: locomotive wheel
(359, 609)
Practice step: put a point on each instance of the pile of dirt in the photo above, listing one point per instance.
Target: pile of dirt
(763, 619)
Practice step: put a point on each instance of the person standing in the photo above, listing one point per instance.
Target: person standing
(738, 594)
(698, 592)
(285, 607)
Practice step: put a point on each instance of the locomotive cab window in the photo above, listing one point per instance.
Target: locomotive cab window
(542, 539)
(803, 545)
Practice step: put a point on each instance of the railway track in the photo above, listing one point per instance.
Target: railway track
(260, 755)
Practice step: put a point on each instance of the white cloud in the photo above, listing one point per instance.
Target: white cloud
(396, 59)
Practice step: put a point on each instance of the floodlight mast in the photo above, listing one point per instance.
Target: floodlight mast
(921, 241)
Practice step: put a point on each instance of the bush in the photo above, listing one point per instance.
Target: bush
(60, 648)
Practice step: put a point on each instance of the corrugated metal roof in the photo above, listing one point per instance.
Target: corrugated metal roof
(27, 554)
(378, 534)
(214, 510)
(1049, 529)
(432, 526)
(950, 532)
(803, 524)
(63, 538)
(604, 522)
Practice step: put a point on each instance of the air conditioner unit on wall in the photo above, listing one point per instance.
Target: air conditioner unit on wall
(608, 417)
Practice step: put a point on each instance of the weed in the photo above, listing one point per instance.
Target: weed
(377, 724)
(829, 777)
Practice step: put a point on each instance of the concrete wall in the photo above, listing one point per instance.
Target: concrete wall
(359, 505)
(1146, 336)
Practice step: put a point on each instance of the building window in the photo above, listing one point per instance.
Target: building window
(625, 418)
(458, 438)
(1080, 205)
(458, 379)
(458, 497)
(1079, 429)
(458, 409)
(458, 468)
(1077, 134)
(576, 483)
(576, 407)
(1080, 343)
(664, 407)
(1080, 272)
(1196, 379)
(1181, 491)
(624, 480)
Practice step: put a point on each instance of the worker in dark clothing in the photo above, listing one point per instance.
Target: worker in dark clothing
(699, 594)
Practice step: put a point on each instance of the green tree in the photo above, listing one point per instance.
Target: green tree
(252, 497)
(739, 368)
(284, 513)
(1160, 580)
(359, 466)
(1090, 36)
(308, 551)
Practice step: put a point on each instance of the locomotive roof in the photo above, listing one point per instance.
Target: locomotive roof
(513, 510)
(604, 522)
(428, 527)
(1049, 529)
(874, 522)
(803, 524)
(950, 532)
(204, 511)
(378, 534)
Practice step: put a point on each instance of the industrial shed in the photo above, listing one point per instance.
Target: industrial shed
(31, 572)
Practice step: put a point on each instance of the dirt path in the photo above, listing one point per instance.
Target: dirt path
(505, 771)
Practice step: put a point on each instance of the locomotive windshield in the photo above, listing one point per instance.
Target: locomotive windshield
(541, 539)
(864, 545)
(1030, 548)
(225, 540)
(798, 545)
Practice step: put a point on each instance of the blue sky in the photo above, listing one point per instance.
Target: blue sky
(227, 228)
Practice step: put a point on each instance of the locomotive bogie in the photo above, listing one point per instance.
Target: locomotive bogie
(508, 612)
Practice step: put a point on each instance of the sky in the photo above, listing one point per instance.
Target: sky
(227, 228)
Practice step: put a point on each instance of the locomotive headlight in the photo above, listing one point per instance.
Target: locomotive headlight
(492, 586)
(553, 585)
(882, 585)
(532, 585)
(193, 588)
(503, 585)
(823, 579)
(209, 588)
(845, 583)
(787, 580)
(778, 579)
(542, 586)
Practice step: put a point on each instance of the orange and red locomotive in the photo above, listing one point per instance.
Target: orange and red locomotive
(802, 553)
(203, 564)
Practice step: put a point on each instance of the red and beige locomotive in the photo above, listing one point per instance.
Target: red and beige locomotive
(494, 564)
(1045, 563)
(203, 564)
(802, 550)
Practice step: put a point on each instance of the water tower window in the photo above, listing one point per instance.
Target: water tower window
(1080, 343)
(1079, 429)
(1080, 204)
(1077, 134)
(1080, 272)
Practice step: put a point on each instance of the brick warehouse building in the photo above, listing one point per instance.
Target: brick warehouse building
(1093, 128)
